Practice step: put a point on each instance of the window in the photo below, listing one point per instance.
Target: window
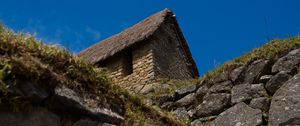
(127, 66)
(102, 64)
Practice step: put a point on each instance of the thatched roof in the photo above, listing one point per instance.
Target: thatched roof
(133, 35)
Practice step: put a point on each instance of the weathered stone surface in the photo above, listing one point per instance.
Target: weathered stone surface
(152, 87)
(88, 122)
(145, 89)
(203, 121)
(223, 87)
(212, 104)
(239, 115)
(105, 115)
(67, 100)
(32, 91)
(184, 91)
(245, 92)
(167, 105)
(68, 97)
(202, 91)
(186, 100)
(261, 103)
(278, 80)
(219, 78)
(161, 87)
(288, 62)
(285, 104)
(181, 113)
(264, 79)
(255, 70)
(236, 75)
(37, 117)
(258, 90)
(240, 93)
(164, 98)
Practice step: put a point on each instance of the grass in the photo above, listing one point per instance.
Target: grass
(34, 60)
(173, 84)
(24, 58)
(271, 50)
(138, 113)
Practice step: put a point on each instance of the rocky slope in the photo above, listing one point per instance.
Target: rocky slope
(43, 85)
(259, 88)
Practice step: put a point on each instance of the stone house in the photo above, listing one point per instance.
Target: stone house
(153, 49)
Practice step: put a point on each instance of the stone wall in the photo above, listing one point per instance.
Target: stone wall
(162, 56)
(259, 92)
(143, 71)
(43, 103)
(170, 60)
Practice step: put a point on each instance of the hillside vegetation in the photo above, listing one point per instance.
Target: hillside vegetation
(34, 75)
(23, 60)
(254, 89)
(270, 51)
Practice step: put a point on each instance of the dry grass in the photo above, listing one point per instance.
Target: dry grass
(272, 49)
(24, 57)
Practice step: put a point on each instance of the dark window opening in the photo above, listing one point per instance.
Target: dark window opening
(102, 64)
(127, 63)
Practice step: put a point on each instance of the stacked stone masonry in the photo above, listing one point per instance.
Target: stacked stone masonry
(258, 93)
(142, 60)
(161, 56)
(170, 59)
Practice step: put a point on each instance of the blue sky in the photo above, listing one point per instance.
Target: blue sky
(217, 30)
